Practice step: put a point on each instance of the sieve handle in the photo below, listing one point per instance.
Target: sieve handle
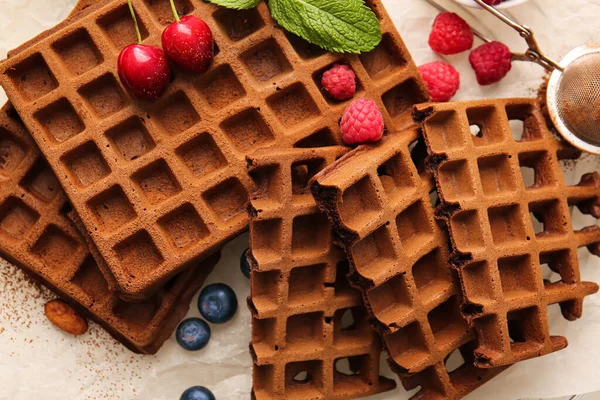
(523, 30)
(534, 53)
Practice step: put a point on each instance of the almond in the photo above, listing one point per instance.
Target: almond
(64, 317)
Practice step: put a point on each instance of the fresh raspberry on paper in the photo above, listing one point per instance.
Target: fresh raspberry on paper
(339, 82)
(450, 34)
(491, 62)
(442, 80)
(362, 122)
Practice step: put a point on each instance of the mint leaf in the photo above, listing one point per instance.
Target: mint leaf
(343, 26)
(236, 4)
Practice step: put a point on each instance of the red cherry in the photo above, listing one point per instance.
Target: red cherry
(144, 70)
(189, 44)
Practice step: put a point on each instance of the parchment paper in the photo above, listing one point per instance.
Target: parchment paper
(39, 362)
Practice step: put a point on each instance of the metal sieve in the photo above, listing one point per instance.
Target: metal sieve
(573, 93)
(573, 98)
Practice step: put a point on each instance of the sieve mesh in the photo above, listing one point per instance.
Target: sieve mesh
(578, 98)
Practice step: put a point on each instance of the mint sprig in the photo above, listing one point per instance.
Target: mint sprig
(236, 4)
(342, 26)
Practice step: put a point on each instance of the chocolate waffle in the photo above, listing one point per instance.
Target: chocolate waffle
(480, 165)
(310, 336)
(159, 185)
(36, 235)
(378, 199)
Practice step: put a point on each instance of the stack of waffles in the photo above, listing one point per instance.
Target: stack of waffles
(421, 245)
(437, 222)
(152, 191)
(38, 234)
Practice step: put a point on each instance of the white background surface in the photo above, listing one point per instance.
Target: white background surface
(39, 362)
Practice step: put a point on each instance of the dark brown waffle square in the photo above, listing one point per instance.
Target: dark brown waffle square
(36, 235)
(379, 200)
(480, 161)
(310, 335)
(189, 147)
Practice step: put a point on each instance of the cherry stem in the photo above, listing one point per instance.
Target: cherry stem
(137, 28)
(175, 14)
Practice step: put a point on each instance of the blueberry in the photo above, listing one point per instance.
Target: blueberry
(244, 265)
(193, 334)
(197, 393)
(217, 303)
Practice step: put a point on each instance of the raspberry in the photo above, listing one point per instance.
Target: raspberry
(493, 2)
(441, 79)
(339, 82)
(491, 62)
(362, 122)
(450, 34)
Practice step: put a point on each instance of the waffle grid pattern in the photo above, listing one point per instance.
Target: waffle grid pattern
(379, 200)
(310, 336)
(481, 166)
(36, 234)
(159, 185)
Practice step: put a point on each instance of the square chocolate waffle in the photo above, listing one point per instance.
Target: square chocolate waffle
(379, 200)
(310, 335)
(36, 235)
(480, 152)
(161, 185)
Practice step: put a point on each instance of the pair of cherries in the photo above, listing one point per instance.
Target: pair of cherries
(145, 70)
